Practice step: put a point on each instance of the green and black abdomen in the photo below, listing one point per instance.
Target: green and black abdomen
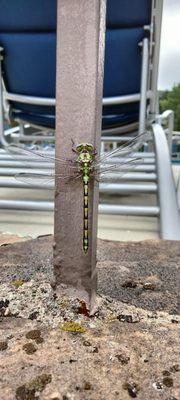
(85, 229)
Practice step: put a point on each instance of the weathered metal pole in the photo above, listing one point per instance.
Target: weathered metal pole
(80, 61)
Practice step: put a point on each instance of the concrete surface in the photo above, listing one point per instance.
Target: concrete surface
(130, 349)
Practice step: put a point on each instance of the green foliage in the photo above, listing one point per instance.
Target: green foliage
(170, 100)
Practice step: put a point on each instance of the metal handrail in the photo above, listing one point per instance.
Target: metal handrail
(170, 215)
(30, 205)
(104, 187)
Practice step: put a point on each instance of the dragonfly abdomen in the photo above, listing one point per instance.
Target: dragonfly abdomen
(85, 230)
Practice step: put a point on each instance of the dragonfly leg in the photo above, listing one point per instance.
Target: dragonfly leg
(78, 176)
(57, 193)
(95, 178)
(73, 146)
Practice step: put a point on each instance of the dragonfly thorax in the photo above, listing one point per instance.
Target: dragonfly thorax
(85, 158)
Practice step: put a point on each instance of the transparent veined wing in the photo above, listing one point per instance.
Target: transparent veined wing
(126, 158)
(101, 165)
(117, 171)
(31, 179)
(39, 156)
(123, 150)
(43, 179)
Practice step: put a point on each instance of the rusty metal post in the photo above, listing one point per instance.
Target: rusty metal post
(80, 61)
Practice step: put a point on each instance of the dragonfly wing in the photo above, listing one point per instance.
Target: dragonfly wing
(124, 150)
(43, 178)
(119, 169)
(35, 179)
(39, 156)
(122, 163)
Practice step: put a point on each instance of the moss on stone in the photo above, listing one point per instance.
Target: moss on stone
(168, 381)
(64, 303)
(40, 382)
(29, 390)
(87, 386)
(34, 334)
(29, 348)
(110, 317)
(3, 345)
(71, 326)
(39, 340)
(17, 282)
(175, 368)
(132, 388)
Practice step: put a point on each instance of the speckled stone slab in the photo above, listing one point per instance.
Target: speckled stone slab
(51, 349)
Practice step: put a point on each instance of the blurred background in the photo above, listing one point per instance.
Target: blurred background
(26, 223)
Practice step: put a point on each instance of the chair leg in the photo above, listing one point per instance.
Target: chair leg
(144, 85)
(1, 103)
(178, 192)
(169, 211)
(3, 141)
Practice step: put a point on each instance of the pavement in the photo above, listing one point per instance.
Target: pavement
(51, 349)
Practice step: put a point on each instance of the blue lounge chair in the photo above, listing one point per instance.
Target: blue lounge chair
(28, 37)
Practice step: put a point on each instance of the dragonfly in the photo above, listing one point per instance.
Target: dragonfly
(86, 165)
